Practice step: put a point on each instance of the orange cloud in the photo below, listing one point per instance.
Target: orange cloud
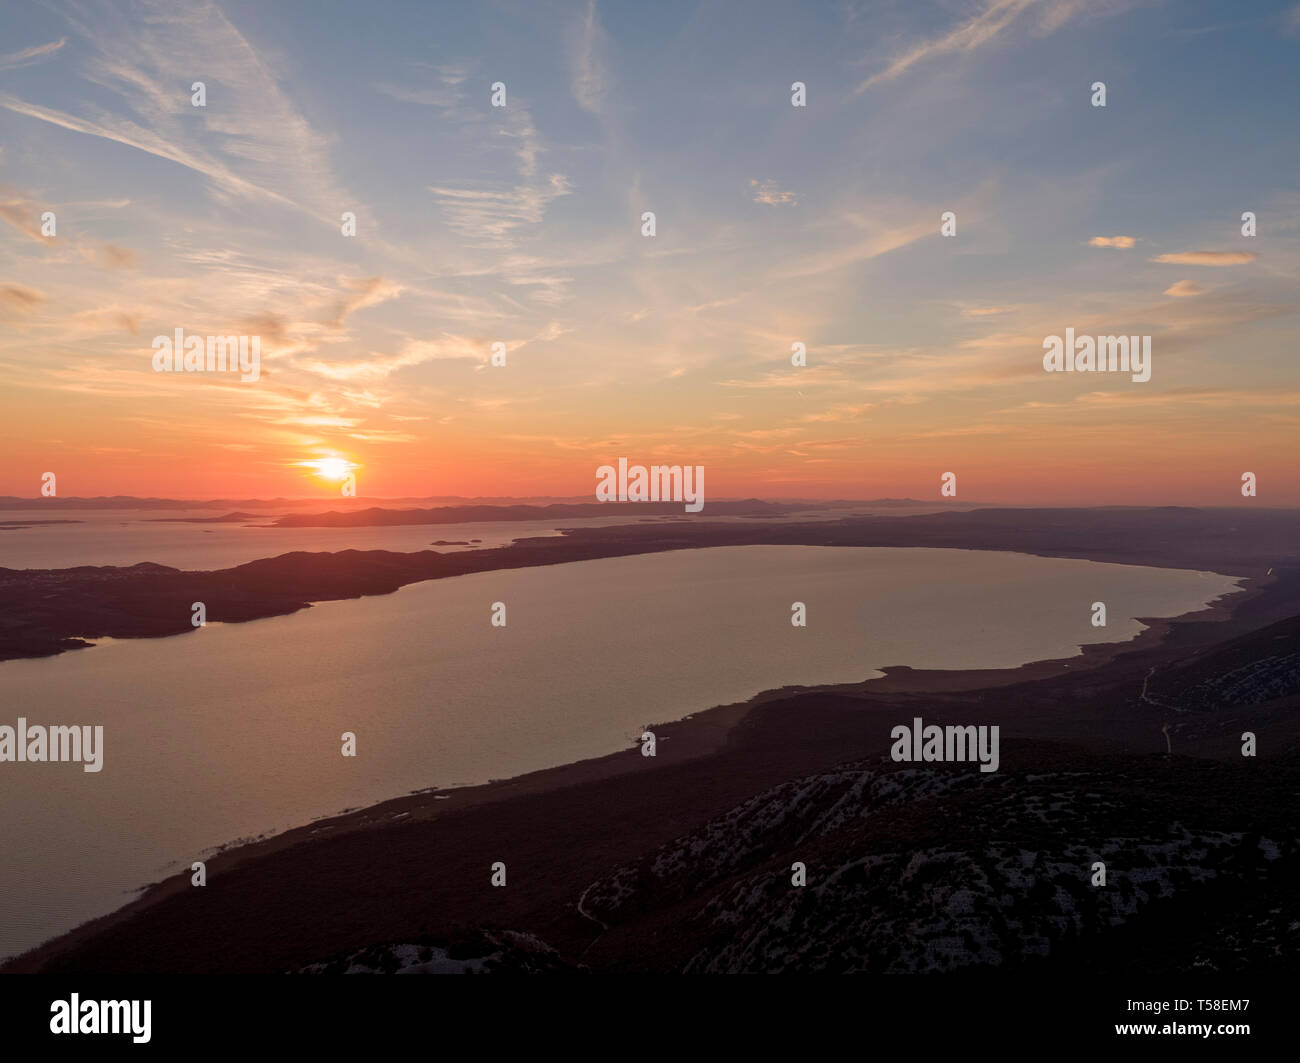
(19, 299)
(1207, 258)
(115, 256)
(22, 217)
(110, 317)
(361, 293)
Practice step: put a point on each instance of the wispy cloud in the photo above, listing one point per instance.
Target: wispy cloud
(135, 136)
(586, 70)
(771, 193)
(250, 142)
(109, 318)
(495, 218)
(996, 17)
(881, 239)
(1113, 241)
(977, 31)
(19, 299)
(377, 367)
(24, 216)
(1184, 288)
(116, 257)
(1207, 258)
(37, 53)
(360, 293)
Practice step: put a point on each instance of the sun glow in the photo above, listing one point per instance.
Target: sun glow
(330, 468)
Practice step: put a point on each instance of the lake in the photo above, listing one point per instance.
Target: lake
(234, 730)
(169, 537)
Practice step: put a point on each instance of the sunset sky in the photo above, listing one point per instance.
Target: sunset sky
(775, 225)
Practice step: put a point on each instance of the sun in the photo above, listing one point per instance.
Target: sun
(330, 468)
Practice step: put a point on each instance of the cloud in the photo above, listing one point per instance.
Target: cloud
(586, 71)
(553, 331)
(1180, 397)
(135, 136)
(1207, 258)
(881, 240)
(432, 97)
(1113, 241)
(100, 204)
(19, 299)
(115, 257)
(879, 243)
(24, 217)
(452, 73)
(361, 293)
(413, 352)
(848, 411)
(320, 420)
(977, 31)
(1000, 341)
(271, 327)
(986, 311)
(970, 35)
(1185, 288)
(529, 146)
(254, 145)
(986, 26)
(782, 382)
(37, 53)
(495, 218)
(771, 193)
(109, 318)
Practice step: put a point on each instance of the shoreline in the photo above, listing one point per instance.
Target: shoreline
(698, 736)
(44, 612)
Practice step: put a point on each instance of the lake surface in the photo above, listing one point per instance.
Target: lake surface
(129, 536)
(234, 730)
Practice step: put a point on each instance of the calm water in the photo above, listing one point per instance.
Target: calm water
(129, 536)
(233, 730)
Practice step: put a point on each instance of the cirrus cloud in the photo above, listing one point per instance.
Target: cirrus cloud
(35, 54)
(1207, 258)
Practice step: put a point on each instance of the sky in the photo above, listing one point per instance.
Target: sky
(774, 225)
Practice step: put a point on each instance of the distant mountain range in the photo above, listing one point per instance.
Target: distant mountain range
(379, 517)
(132, 502)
